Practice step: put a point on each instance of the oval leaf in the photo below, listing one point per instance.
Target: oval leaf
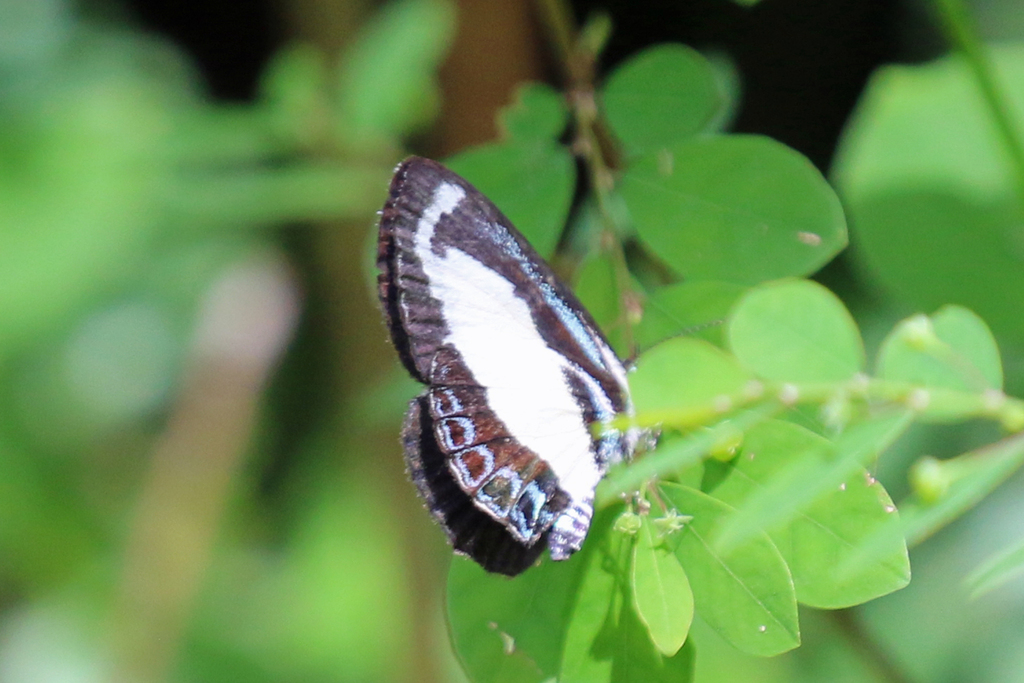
(605, 638)
(977, 474)
(661, 592)
(952, 349)
(659, 96)
(816, 471)
(795, 331)
(684, 376)
(829, 530)
(747, 594)
(511, 630)
(743, 209)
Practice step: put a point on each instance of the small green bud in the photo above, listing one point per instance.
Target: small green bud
(930, 479)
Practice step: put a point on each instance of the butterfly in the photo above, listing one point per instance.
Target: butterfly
(499, 445)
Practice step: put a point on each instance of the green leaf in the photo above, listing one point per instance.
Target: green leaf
(386, 84)
(571, 620)
(597, 288)
(817, 471)
(935, 246)
(530, 181)
(538, 113)
(952, 349)
(684, 376)
(692, 307)
(795, 331)
(664, 94)
(828, 530)
(997, 571)
(927, 125)
(746, 594)
(512, 630)
(973, 476)
(661, 592)
(929, 187)
(742, 209)
(605, 640)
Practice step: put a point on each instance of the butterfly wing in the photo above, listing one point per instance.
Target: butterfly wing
(515, 367)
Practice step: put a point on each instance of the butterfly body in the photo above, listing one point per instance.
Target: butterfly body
(500, 444)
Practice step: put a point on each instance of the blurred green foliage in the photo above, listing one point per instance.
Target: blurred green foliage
(128, 204)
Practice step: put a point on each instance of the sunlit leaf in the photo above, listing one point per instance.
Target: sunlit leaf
(973, 476)
(741, 209)
(683, 375)
(817, 539)
(796, 331)
(745, 594)
(952, 349)
(818, 470)
(661, 592)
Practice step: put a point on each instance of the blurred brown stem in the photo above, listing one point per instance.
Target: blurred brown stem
(242, 330)
(595, 146)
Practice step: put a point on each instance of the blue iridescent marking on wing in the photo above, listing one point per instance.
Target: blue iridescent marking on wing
(564, 312)
(574, 324)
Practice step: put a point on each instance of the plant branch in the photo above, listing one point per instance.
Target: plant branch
(592, 148)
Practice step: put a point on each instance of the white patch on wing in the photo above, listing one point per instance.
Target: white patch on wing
(493, 330)
(446, 198)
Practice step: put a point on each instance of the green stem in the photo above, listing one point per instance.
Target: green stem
(962, 34)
